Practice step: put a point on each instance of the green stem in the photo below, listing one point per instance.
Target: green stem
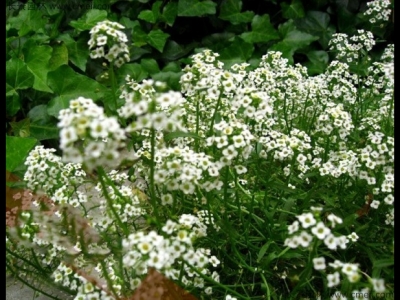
(266, 286)
(211, 131)
(153, 198)
(113, 84)
(103, 175)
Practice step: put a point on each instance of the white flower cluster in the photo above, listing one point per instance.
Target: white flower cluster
(283, 147)
(110, 42)
(352, 49)
(234, 141)
(149, 108)
(170, 252)
(88, 136)
(309, 223)
(184, 169)
(47, 173)
(335, 117)
(125, 201)
(378, 11)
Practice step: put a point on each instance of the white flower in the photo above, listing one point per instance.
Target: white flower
(307, 220)
(320, 230)
(333, 279)
(293, 227)
(353, 237)
(319, 263)
(334, 220)
(378, 285)
(330, 242)
(305, 239)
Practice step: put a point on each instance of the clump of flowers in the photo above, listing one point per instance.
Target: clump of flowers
(378, 11)
(88, 136)
(109, 41)
(216, 171)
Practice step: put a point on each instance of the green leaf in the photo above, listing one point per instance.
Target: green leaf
(238, 51)
(45, 131)
(17, 76)
(171, 78)
(13, 103)
(39, 115)
(37, 60)
(263, 250)
(157, 39)
(139, 36)
(68, 85)
(177, 134)
(293, 39)
(21, 128)
(135, 70)
(78, 51)
(147, 15)
(89, 20)
(28, 20)
(169, 13)
(383, 263)
(318, 62)
(174, 51)
(59, 56)
(230, 10)
(317, 23)
(152, 15)
(196, 8)
(150, 65)
(262, 30)
(17, 149)
(128, 23)
(293, 10)
(298, 39)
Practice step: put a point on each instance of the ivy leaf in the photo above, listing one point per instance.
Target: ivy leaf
(17, 76)
(42, 125)
(293, 10)
(37, 60)
(174, 51)
(21, 128)
(17, 149)
(262, 31)
(89, 20)
(28, 20)
(139, 36)
(157, 39)
(230, 10)
(148, 16)
(68, 85)
(196, 8)
(135, 70)
(78, 51)
(152, 15)
(169, 13)
(13, 102)
(59, 56)
(317, 23)
(171, 78)
(237, 51)
(293, 39)
(150, 65)
(318, 62)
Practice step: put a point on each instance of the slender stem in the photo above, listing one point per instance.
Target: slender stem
(266, 286)
(153, 197)
(102, 175)
(113, 84)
